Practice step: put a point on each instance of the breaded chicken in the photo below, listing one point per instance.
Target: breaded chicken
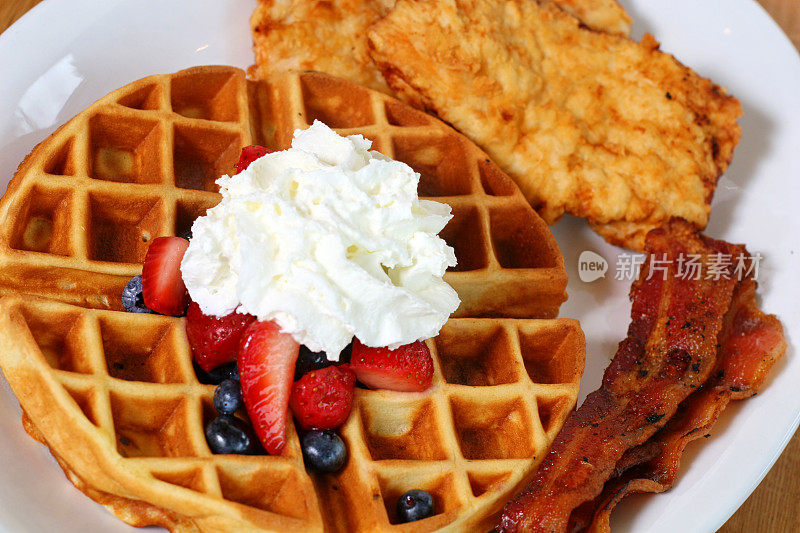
(599, 15)
(587, 123)
(324, 35)
(331, 35)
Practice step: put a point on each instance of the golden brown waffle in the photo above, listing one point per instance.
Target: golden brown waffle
(114, 396)
(141, 163)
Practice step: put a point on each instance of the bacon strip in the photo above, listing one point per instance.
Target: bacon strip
(670, 351)
(751, 343)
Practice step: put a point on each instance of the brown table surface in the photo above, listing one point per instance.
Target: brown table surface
(775, 505)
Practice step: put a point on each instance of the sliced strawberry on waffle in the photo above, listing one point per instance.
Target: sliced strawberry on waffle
(214, 340)
(409, 368)
(266, 368)
(162, 285)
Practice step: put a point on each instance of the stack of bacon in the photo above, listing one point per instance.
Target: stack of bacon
(695, 343)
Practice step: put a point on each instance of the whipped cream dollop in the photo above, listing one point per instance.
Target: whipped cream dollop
(330, 240)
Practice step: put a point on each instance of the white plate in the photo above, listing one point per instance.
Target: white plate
(62, 56)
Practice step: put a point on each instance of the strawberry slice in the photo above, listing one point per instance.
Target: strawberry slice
(162, 284)
(409, 368)
(250, 154)
(266, 367)
(323, 399)
(214, 340)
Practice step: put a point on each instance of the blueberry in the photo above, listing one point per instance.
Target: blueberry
(346, 354)
(308, 361)
(228, 434)
(133, 297)
(218, 375)
(228, 371)
(228, 397)
(186, 234)
(414, 505)
(324, 451)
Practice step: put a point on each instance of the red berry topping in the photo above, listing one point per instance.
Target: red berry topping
(162, 284)
(266, 367)
(214, 340)
(250, 154)
(409, 368)
(323, 398)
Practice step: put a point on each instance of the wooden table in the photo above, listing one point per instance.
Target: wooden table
(775, 505)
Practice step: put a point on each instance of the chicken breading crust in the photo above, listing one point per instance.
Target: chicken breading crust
(331, 35)
(328, 36)
(587, 123)
(600, 15)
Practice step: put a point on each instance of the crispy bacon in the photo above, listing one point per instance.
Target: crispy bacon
(670, 351)
(751, 343)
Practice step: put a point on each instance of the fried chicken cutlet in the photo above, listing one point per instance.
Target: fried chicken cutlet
(599, 15)
(587, 123)
(331, 35)
(324, 35)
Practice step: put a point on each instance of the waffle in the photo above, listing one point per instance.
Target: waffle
(114, 395)
(141, 163)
